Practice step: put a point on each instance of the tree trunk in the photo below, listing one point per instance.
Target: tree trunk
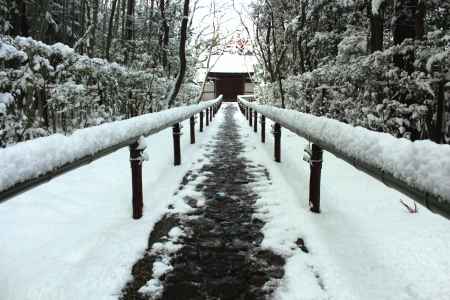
(110, 30)
(404, 27)
(124, 19)
(72, 38)
(164, 39)
(129, 29)
(24, 27)
(92, 42)
(83, 23)
(420, 19)
(19, 19)
(64, 25)
(182, 70)
(89, 23)
(117, 22)
(376, 28)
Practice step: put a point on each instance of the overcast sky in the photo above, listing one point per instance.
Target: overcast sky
(229, 18)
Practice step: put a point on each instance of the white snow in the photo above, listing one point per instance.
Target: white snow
(142, 144)
(62, 49)
(6, 98)
(153, 287)
(162, 265)
(175, 233)
(364, 244)
(30, 159)
(160, 268)
(74, 238)
(8, 52)
(233, 63)
(423, 164)
(57, 48)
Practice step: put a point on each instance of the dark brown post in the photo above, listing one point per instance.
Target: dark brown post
(192, 123)
(246, 112)
(263, 129)
(210, 114)
(136, 179)
(201, 121)
(277, 144)
(176, 130)
(250, 117)
(255, 121)
(207, 117)
(314, 179)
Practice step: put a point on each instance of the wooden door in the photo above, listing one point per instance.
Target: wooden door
(230, 88)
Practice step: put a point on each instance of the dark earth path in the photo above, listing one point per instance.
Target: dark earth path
(220, 257)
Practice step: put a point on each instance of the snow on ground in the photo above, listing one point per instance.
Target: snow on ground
(74, 238)
(364, 244)
(162, 265)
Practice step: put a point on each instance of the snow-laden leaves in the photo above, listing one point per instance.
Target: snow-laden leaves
(56, 90)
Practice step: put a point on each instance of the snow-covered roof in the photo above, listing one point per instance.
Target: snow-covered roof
(232, 63)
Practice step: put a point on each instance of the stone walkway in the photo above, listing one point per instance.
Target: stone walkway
(220, 257)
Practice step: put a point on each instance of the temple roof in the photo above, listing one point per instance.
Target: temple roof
(232, 63)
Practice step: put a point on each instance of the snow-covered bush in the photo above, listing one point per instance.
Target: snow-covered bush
(369, 91)
(353, 44)
(51, 88)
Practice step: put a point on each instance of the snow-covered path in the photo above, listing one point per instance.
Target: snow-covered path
(219, 255)
(73, 238)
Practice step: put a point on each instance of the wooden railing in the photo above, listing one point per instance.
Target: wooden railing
(436, 203)
(136, 151)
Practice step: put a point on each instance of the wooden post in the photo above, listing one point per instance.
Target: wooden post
(255, 121)
(207, 117)
(277, 143)
(250, 119)
(136, 179)
(176, 131)
(192, 123)
(246, 112)
(201, 121)
(210, 114)
(314, 179)
(263, 128)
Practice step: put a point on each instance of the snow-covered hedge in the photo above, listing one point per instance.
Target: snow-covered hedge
(421, 164)
(369, 91)
(30, 159)
(54, 89)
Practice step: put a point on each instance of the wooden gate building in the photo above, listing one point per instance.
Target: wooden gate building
(230, 76)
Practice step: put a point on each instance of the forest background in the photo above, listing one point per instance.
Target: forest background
(69, 64)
